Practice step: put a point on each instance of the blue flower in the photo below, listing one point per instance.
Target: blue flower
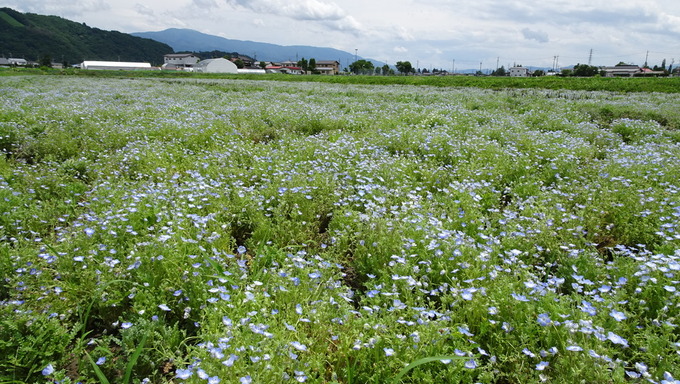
(618, 316)
(183, 374)
(616, 339)
(245, 380)
(299, 346)
(388, 351)
(101, 360)
(542, 365)
(519, 297)
(471, 364)
(544, 320)
(48, 370)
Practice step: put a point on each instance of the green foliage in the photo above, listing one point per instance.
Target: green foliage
(362, 67)
(585, 70)
(340, 237)
(65, 40)
(405, 67)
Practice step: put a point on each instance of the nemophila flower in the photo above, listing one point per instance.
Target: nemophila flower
(616, 339)
(519, 297)
(507, 327)
(299, 346)
(230, 360)
(527, 352)
(668, 378)
(388, 351)
(126, 325)
(544, 320)
(618, 316)
(89, 231)
(574, 348)
(101, 360)
(471, 364)
(633, 374)
(164, 307)
(466, 294)
(245, 380)
(48, 370)
(241, 250)
(465, 331)
(183, 374)
(300, 376)
(213, 380)
(669, 288)
(542, 365)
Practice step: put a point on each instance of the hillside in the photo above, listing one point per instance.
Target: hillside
(32, 36)
(191, 40)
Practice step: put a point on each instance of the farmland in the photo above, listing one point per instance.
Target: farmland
(223, 230)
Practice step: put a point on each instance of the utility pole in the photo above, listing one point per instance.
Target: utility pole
(498, 59)
(646, 57)
(453, 67)
(480, 67)
(590, 57)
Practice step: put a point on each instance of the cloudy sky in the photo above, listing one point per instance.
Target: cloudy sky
(431, 33)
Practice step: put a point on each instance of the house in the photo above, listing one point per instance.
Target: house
(114, 65)
(519, 72)
(622, 71)
(18, 62)
(218, 65)
(4, 62)
(179, 60)
(291, 70)
(328, 67)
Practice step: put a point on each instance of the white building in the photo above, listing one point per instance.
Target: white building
(215, 66)
(114, 65)
(519, 72)
(180, 60)
(19, 62)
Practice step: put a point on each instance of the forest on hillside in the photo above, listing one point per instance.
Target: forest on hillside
(35, 37)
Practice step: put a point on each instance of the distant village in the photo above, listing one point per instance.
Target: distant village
(246, 65)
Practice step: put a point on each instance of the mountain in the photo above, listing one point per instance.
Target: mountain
(194, 41)
(32, 37)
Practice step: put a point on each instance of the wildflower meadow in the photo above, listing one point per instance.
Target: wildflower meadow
(186, 230)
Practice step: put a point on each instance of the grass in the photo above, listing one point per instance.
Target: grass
(273, 231)
(624, 85)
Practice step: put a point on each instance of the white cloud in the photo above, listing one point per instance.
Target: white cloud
(540, 36)
(400, 49)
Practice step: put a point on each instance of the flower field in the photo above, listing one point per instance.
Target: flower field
(238, 231)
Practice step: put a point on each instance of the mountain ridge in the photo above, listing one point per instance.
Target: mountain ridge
(194, 41)
(33, 37)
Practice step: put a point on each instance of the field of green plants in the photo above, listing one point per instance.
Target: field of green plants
(238, 231)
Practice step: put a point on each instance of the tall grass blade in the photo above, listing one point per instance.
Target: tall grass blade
(424, 360)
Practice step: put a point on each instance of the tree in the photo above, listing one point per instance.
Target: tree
(539, 72)
(361, 67)
(239, 63)
(311, 66)
(404, 67)
(585, 70)
(46, 61)
(263, 65)
(499, 72)
(303, 63)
